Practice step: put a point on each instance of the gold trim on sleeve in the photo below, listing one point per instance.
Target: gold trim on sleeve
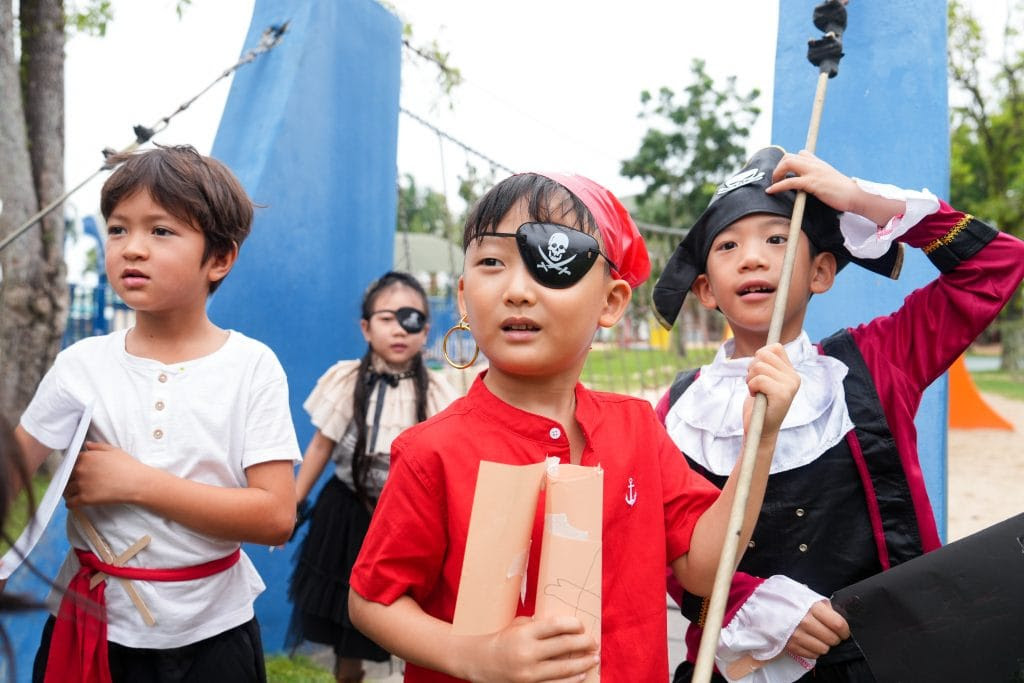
(949, 236)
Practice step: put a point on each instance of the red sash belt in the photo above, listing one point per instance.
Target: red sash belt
(78, 646)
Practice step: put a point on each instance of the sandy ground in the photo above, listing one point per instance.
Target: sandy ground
(986, 472)
(985, 484)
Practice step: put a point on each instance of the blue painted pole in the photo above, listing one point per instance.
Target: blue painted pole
(311, 130)
(886, 119)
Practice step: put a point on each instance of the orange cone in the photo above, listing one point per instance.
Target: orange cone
(967, 409)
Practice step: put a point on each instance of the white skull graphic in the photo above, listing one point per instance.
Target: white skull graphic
(557, 244)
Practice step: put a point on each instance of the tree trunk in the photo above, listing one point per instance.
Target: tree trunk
(33, 293)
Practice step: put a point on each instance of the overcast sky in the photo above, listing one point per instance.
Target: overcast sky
(552, 85)
(549, 84)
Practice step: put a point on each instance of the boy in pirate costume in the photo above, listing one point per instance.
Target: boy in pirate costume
(846, 496)
(190, 445)
(533, 310)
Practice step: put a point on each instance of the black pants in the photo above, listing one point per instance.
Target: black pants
(234, 656)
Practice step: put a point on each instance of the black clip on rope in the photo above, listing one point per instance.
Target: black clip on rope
(825, 52)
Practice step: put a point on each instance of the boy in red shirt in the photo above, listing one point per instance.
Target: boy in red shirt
(534, 303)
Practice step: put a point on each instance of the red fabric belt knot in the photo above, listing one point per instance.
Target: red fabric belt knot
(78, 646)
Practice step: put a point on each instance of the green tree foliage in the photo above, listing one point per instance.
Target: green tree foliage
(987, 142)
(697, 137)
(422, 210)
(473, 185)
(92, 17)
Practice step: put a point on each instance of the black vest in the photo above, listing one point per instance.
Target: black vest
(816, 523)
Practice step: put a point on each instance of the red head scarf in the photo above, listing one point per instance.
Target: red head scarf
(622, 241)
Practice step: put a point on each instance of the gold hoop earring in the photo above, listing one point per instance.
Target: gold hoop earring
(462, 325)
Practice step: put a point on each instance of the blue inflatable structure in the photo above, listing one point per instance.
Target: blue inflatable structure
(311, 130)
(885, 119)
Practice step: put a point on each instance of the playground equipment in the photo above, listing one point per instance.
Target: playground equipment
(967, 409)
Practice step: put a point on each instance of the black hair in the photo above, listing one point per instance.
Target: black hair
(361, 395)
(546, 201)
(191, 187)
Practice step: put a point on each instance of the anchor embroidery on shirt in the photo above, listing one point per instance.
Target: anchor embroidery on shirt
(631, 493)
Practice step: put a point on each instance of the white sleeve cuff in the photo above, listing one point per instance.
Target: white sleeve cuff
(761, 629)
(864, 239)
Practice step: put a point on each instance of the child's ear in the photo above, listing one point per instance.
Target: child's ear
(617, 296)
(364, 325)
(701, 288)
(823, 272)
(221, 264)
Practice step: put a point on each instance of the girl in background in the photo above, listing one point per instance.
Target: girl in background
(358, 408)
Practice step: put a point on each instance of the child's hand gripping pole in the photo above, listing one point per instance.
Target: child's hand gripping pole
(824, 53)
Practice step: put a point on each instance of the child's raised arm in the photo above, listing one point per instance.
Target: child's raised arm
(814, 176)
(554, 649)
(771, 374)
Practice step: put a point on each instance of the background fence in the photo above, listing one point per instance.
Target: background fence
(635, 357)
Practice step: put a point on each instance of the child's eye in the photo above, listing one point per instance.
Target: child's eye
(161, 231)
(778, 239)
(490, 262)
(115, 230)
(725, 245)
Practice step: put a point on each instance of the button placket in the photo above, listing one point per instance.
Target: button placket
(159, 404)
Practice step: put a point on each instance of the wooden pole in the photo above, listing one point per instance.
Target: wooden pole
(727, 563)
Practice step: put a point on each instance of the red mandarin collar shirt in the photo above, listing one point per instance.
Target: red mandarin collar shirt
(652, 501)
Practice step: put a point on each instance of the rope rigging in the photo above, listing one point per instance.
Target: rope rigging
(268, 40)
(442, 134)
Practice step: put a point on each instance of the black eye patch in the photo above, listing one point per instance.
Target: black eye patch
(410, 319)
(557, 256)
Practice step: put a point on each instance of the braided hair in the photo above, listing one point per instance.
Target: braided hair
(361, 396)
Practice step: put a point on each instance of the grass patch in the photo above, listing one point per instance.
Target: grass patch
(298, 669)
(1000, 383)
(628, 371)
(18, 515)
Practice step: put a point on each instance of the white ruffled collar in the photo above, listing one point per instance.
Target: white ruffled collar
(707, 421)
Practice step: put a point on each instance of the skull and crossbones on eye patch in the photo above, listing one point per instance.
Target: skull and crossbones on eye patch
(557, 244)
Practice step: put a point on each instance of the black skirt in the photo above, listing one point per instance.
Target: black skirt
(319, 585)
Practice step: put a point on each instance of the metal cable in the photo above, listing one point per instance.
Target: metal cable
(270, 38)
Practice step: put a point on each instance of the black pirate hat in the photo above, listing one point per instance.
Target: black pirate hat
(741, 195)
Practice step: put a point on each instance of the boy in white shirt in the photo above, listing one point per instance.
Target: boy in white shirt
(191, 443)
